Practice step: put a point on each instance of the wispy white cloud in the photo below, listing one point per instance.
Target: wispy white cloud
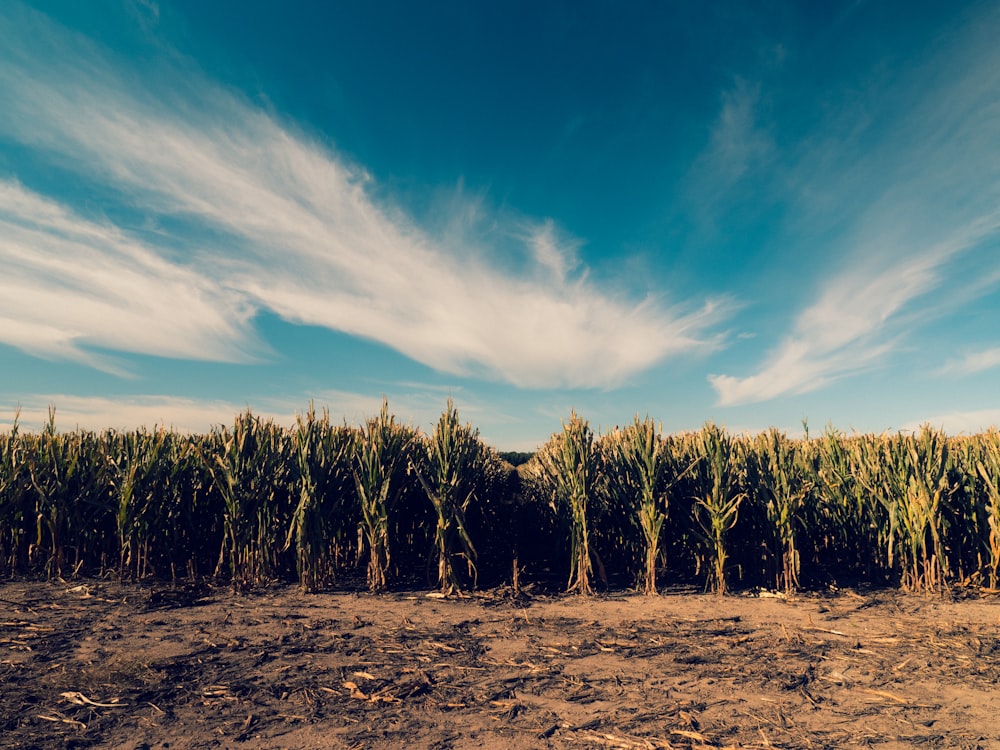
(295, 231)
(556, 254)
(198, 415)
(959, 422)
(415, 404)
(421, 405)
(739, 139)
(849, 329)
(70, 284)
(972, 363)
(739, 144)
(131, 412)
(914, 188)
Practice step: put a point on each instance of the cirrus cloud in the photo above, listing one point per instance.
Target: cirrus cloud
(265, 218)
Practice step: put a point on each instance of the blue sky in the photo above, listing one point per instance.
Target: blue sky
(752, 213)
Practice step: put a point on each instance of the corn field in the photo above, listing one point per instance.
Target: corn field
(383, 504)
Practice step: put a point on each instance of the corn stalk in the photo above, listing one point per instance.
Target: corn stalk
(12, 487)
(786, 481)
(637, 461)
(988, 468)
(323, 455)
(568, 461)
(142, 469)
(846, 510)
(928, 487)
(250, 468)
(380, 457)
(68, 482)
(718, 501)
(909, 475)
(186, 519)
(452, 457)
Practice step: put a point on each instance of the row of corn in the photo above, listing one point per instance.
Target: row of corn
(335, 504)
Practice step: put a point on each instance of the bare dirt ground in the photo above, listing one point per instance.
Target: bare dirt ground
(101, 665)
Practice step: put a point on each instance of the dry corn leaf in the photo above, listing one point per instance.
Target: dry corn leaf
(80, 699)
(63, 720)
(619, 742)
(355, 690)
(884, 694)
(825, 630)
(690, 735)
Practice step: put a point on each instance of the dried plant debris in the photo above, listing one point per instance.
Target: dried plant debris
(102, 665)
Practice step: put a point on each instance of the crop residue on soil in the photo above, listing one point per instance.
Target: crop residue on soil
(102, 665)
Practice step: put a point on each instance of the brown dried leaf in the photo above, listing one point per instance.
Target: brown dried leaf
(80, 699)
(355, 691)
